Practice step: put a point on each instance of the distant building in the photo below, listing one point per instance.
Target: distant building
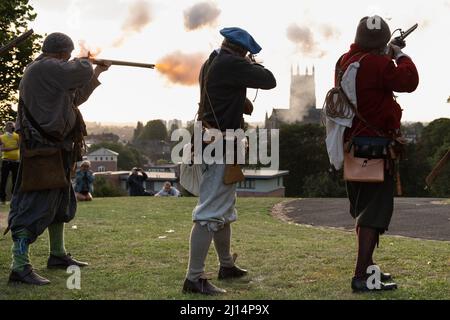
(302, 102)
(102, 160)
(262, 183)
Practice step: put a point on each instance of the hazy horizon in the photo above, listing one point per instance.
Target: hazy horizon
(299, 34)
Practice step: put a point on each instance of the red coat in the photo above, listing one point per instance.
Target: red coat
(378, 77)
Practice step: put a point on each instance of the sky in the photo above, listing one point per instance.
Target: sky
(291, 33)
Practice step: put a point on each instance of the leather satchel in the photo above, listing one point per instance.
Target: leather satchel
(362, 169)
(42, 169)
(233, 174)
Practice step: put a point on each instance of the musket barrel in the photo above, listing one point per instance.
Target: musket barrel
(16, 41)
(409, 31)
(123, 63)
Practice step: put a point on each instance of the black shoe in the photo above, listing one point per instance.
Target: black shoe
(202, 286)
(231, 273)
(385, 276)
(360, 285)
(64, 262)
(27, 276)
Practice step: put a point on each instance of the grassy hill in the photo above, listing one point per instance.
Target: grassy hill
(138, 249)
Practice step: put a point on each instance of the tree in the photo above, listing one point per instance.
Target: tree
(154, 130)
(173, 127)
(104, 137)
(303, 153)
(434, 143)
(323, 185)
(15, 15)
(138, 131)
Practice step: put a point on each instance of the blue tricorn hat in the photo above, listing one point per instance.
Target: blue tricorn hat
(241, 38)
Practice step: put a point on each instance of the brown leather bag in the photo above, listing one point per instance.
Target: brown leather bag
(363, 170)
(233, 174)
(42, 169)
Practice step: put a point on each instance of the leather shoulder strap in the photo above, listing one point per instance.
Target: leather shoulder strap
(34, 123)
(205, 96)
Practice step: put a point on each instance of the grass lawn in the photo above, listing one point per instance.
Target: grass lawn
(133, 256)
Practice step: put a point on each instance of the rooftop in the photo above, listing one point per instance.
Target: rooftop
(102, 152)
(264, 173)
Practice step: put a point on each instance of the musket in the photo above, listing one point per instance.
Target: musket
(437, 169)
(15, 42)
(400, 40)
(122, 63)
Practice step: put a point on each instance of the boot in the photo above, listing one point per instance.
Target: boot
(27, 276)
(360, 285)
(63, 262)
(202, 286)
(231, 273)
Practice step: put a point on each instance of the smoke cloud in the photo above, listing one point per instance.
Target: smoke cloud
(200, 15)
(87, 51)
(303, 37)
(302, 103)
(181, 68)
(329, 32)
(139, 16)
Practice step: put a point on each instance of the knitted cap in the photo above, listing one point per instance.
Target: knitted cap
(57, 43)
(372, 33)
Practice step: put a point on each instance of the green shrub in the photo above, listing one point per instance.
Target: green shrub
(104, 188)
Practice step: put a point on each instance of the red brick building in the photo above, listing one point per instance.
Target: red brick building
(103, 160)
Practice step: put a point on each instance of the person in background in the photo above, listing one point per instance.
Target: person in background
(168, 191)
(9, 146)
(84, 182)
(135, 183)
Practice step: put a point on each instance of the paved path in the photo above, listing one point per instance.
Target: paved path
(424, 218)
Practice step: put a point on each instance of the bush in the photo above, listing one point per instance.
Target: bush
(104, 188)
(324, 185)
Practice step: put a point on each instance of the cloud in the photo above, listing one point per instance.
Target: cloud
(139, 16)
(200, 15)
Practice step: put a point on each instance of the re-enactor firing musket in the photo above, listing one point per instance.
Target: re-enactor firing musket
(15, 42)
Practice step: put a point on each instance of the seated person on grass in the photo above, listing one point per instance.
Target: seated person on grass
(84, 182)
(168, 191)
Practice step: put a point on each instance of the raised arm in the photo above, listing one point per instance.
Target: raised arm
(252, 75)
(401, 78)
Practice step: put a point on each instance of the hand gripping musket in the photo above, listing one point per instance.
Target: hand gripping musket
(437, 169)
(16, 41)
(400, 40)
(122, 63)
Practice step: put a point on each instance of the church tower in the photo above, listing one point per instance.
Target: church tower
(303, 92)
